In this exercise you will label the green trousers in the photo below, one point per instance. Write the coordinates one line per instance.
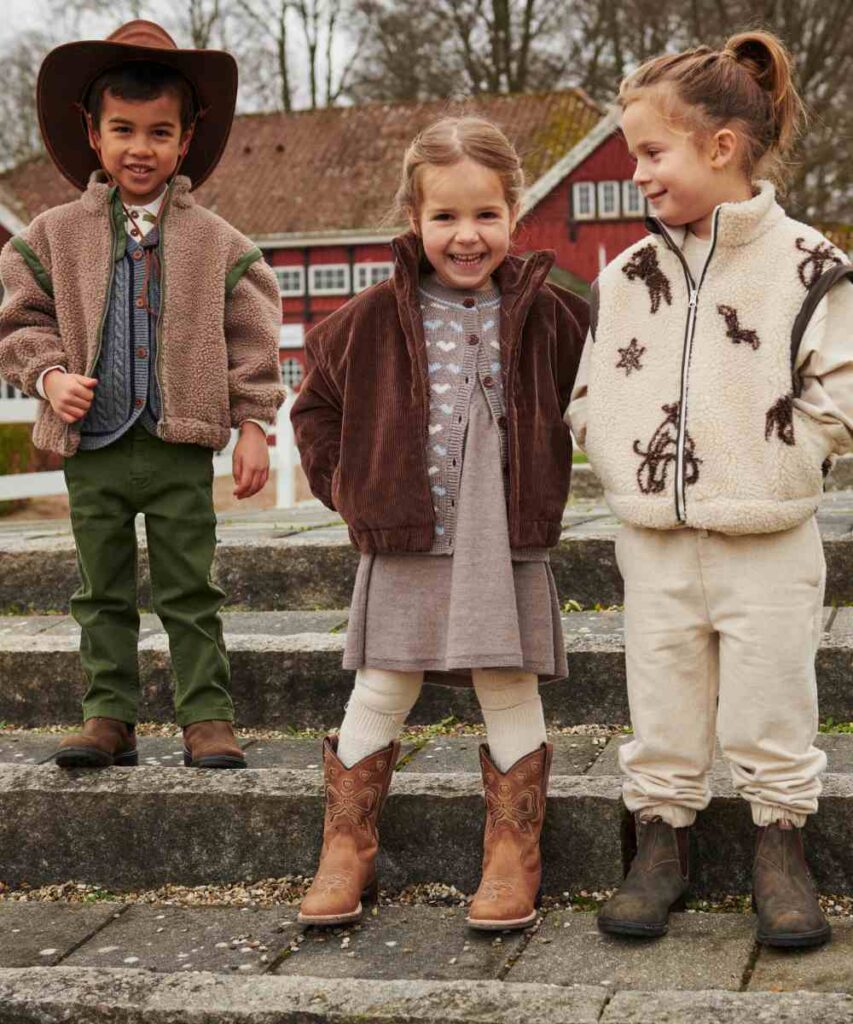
(171, 485)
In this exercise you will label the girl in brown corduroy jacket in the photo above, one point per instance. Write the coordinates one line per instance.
(431, 419)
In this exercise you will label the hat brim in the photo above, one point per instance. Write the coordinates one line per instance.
(68, 71)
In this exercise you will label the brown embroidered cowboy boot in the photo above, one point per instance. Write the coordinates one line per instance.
(102, 742)
(212, 744)
(656, 884)
(783, 894)
(346, 874)
(512, 866)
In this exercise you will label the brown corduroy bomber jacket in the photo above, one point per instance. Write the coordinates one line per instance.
(362, 414)
(218, 326)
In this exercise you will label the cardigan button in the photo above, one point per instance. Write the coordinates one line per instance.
(138, 254)
(488, 382)
(138, 403)
(142, 353)
(473, 339)
(469, 303)
(140, 302)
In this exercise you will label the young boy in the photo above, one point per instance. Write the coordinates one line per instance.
(150, 327)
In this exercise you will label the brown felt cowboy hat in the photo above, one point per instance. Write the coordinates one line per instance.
(68, 72)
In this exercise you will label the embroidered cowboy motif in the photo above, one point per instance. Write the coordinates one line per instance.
(780, 417)
(813, 265)
(662, 452)
(630, 357)
(332, 882)
(495, 889)
(644, 265)
(739, 335)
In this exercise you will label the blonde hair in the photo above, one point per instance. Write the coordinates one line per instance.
(748, 83)
(446, 142)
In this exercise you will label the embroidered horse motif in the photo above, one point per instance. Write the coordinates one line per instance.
(816, 259)
(738, 334)
(780, 418)
(644, 265)
(662, 452)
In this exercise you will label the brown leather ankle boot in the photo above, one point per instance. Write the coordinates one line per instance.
(212, 744)
(783, 894)
(346, 873)
(102, 742)
(512, 866)
(656, 883)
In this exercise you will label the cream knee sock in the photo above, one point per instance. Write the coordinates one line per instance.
(378, 708)
(512, 711)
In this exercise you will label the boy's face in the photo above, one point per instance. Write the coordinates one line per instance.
(140, 143)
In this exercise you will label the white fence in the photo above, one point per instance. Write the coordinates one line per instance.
(16, 408)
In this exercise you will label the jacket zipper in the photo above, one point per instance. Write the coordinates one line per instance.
(686, 353)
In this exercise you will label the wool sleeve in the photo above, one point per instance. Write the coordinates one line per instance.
(576, 414)
(30, 342)
(825, 365)
(317, 418)
(252, 326)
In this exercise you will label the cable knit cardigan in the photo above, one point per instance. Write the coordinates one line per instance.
(219, 321)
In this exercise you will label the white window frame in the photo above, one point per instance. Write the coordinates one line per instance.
(603, 212)
(588, 188)
(629, 189)
(363, 273)
(298, 289)
(318, 268)
(289, 363)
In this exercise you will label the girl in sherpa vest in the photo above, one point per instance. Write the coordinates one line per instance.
(711, 431)
(431, 419)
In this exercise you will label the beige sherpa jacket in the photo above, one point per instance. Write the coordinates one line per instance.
(218, 329)
(689, 404)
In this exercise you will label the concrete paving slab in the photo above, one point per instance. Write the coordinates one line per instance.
(573, 755)
(296, 752)
(430, 943)
(701, 951)
(112, 996)
(827, 969)
(26, 747)
(41, 934)
(171, 939)
(728, 1008)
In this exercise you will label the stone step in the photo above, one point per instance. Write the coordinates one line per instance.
(286, 671)
(711, 956)
(126, 828)
(301, 559)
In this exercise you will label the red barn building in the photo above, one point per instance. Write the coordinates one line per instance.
(313, 190)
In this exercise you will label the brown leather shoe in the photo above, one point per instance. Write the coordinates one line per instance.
(102, 742)
(512, 866)
(657, 883)
(346, 874)
(783, 894)
(212, 745)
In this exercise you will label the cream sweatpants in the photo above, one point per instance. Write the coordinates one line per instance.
(721, 634)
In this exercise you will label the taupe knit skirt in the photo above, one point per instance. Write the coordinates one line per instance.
(481, 607)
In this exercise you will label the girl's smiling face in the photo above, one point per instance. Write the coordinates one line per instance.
(464, 222)
(683, 175)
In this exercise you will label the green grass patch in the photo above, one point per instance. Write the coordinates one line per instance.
(831, 726)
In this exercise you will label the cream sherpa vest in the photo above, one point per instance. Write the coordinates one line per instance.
(691, 413)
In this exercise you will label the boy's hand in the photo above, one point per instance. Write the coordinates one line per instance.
(69, 394)
(251, 461)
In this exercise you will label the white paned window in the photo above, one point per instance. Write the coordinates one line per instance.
(329, 279)
(633, 204)
(583, 200)
(608, 199)
(367, 274)
(291, 373)
(291, 280)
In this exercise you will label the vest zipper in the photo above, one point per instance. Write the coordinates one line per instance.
(687, 351)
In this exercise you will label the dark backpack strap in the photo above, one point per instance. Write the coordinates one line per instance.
(593, 308)
(814, 295)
